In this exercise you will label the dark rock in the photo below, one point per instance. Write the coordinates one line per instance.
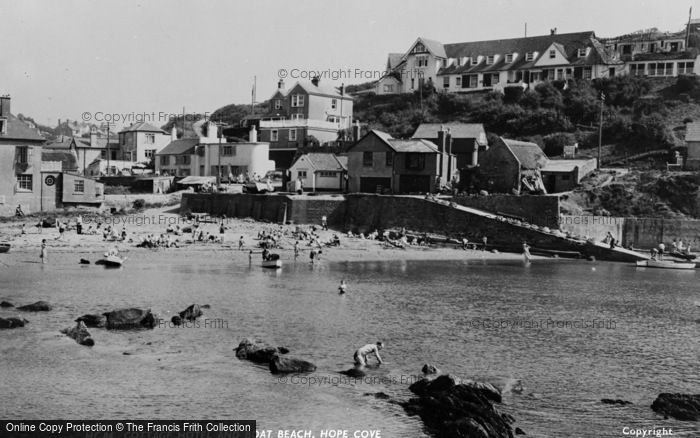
(257, 351)
(84, 261)
(488, 390)
(39, 306)
(354, 372)
(80, 334)
(93, 320)
(379, 395)
(191, 313)
(10, 323)
(519, 431)
(126, 353)
(284, 364)
(6, 304)
(205, 306)
(684, 407)
(176, 320)
(609, 401)
(430, 369)
(124, 319)
(456, 409)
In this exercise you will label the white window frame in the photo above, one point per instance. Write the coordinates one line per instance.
(552, 54)
(458, 81)
(490, 59)
(446, 82)
(274, 135)
(22, 179)
(278, 104)
(297, 100)
(292, 135)
(334, 103)
(3, 125)
(297, 116)
(509, 58)
(150, 138)
(78, 186)
(581, 53)
(301, 174)
(529, 56)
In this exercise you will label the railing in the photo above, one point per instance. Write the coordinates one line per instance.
(300, 123)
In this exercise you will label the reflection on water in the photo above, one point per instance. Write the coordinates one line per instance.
(483, 320)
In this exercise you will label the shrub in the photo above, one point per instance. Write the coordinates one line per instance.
(139, 204)
(686, 84)
(554, 143)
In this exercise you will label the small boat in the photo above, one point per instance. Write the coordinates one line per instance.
(664, 264)
(5, 247)
(111, 261)
(272, 261)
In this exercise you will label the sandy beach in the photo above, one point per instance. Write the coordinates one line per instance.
(155, 221)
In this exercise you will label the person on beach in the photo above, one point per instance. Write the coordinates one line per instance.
(324, 222)
(343, 287)
(222, 229)
(465, 243)
(362, 353)
(526, 252)
(23, 231)
(312, 255)
(61, 229)
(296, 249)
(18, 211)
(485, 240)
(662, 247)
(610, 239)
(240, 243)
(44, 252)
(265, 254)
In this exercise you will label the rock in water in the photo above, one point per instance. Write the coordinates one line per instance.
(356, 372)
(10, 323)
(39, 306)
(610, 401)
(93, 320)
(124, 319)
(191, 313)
(84, 261)
(80, 334)
(258, 352)
(6, 304)
(459, 410)
(284, 364)
(430, 369)
(684, 407)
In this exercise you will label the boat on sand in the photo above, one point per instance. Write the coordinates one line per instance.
(111, 261)
(664, 264)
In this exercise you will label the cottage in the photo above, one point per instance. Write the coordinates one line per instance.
(320, 171)
(378, 163)
(463, 140)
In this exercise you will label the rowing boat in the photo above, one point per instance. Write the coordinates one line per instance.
(664, 264)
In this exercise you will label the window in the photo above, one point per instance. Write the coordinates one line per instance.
(422, 61)
(328, 174)
(301, 174)
(293, 135)
(150, 138)
(98, 191)
(149, 153)
(3, 125)
(182, 159)
(458, 62)
(103, 154)
(297, 116)
(458, 81)
(637, 69)
(367, 159)
(388, 88)
(415, 161)
(413, 83)
(446, 82)
(297, 100)
(389, 159)
(552, 54)
(581, 53)
(25, 183)
(278, 104)
(587, 72)
(470, 81)
(333, 119)
(22, 154)
(228, 151)
(490, 59)
(418, 48)
(509, 58)
(274, 135)
(79, 186)
(495, 77)
(686, 68)
(473, 60)
(334, 103)
(164, 160)
(529, 56)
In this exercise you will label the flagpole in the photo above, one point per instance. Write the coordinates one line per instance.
(687, 27)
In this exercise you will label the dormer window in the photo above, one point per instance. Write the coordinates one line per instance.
(581, 53)
(419, 48)
(552, 54)
(458, 62)
(509, 58)
(529, 56)
(490, 59)
(3, 126)
(473, 60)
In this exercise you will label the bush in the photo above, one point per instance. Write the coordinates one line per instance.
(512, 94)
(554, 143)
(687, 84)
(139, 204)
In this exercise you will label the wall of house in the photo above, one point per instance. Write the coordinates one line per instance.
(538, 210)
(51, 191)
(320, 107)
(390, 81)
(93, 192)
(10, 195)
(412, 73)
(431, 169)
(557, 182)
(693, 150)
(87, 156)
(334, 183)
(379, 169)
(252, 156)
(500, 169)
(136, 145)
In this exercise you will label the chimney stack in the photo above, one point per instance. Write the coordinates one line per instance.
(356, 131)
(93, 136)
(173, 133)
(253, 136)
(280, 85)
(5, 106)
(553, 31)
(441, 138)
(316, 80)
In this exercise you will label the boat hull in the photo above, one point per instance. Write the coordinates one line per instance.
(111, 262)
(664, 264)
(272, 263)
(4, 247)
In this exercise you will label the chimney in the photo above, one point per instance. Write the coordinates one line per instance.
(316, 80)
(173, 133)
(342, 89)
(5, 106)
(93, 136)
(356, 131)
(553, 31)
(280, 85)
(253, 136)
(441, 138)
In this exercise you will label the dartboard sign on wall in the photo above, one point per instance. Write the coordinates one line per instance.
(50, 180)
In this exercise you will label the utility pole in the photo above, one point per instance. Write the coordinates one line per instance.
(109, 151)
(600, 128)
(220, 127)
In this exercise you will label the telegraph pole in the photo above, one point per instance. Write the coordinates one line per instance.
(109, 151)
(600, 129)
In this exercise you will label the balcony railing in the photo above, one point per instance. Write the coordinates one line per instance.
(301, 123)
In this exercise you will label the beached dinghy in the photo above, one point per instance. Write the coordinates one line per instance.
(111, 261)
(272, 261)
(664, 264)
(5, 247)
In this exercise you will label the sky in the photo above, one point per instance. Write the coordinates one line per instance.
(119, 60)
